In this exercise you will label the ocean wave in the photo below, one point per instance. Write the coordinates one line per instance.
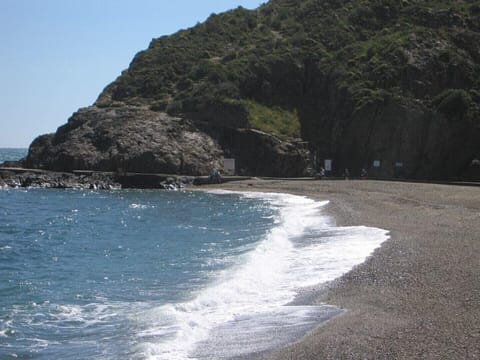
(141, 206)
(303, 249)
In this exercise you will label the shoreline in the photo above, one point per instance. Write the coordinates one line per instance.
(13, 175)
(418, 295)
(306, 295)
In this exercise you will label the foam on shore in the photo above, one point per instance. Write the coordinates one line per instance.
(246, 310)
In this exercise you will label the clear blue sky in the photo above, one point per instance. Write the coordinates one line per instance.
(57, 55)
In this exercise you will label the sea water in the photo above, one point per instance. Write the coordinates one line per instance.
(12, 154)
(137, 274)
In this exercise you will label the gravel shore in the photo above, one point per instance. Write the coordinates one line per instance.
(416, 297)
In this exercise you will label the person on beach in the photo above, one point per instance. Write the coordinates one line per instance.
(215, 176)
(321, 174)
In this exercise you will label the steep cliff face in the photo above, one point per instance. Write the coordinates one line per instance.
(387, 80)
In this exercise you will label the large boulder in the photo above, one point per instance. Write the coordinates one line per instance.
(126, 138)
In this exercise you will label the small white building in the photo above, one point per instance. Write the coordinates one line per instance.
(229, 166)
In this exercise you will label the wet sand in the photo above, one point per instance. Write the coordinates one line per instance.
(418, 295)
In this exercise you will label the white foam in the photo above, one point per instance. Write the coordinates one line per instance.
(302, 249)
(140, 206)
(69, 316)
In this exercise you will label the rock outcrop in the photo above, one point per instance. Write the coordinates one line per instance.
(126, 139)
(20, 178)
(130, 138)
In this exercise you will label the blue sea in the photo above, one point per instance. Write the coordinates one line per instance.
(12, 154)
(147, 274)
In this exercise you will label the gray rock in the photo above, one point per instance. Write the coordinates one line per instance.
(138, 140)
(126, 139)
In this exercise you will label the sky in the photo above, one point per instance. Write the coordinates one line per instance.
(56, 56)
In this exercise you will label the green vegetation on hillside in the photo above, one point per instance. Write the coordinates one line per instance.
(312, 67)
(273, 120)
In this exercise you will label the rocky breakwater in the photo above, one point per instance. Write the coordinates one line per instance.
(23, 178)
(14, 178)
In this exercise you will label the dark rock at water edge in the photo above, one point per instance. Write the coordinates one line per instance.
(153, 181)
(88, 180)
(54, 180)
(13, 164)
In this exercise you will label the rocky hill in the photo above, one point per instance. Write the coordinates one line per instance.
(287, 85)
